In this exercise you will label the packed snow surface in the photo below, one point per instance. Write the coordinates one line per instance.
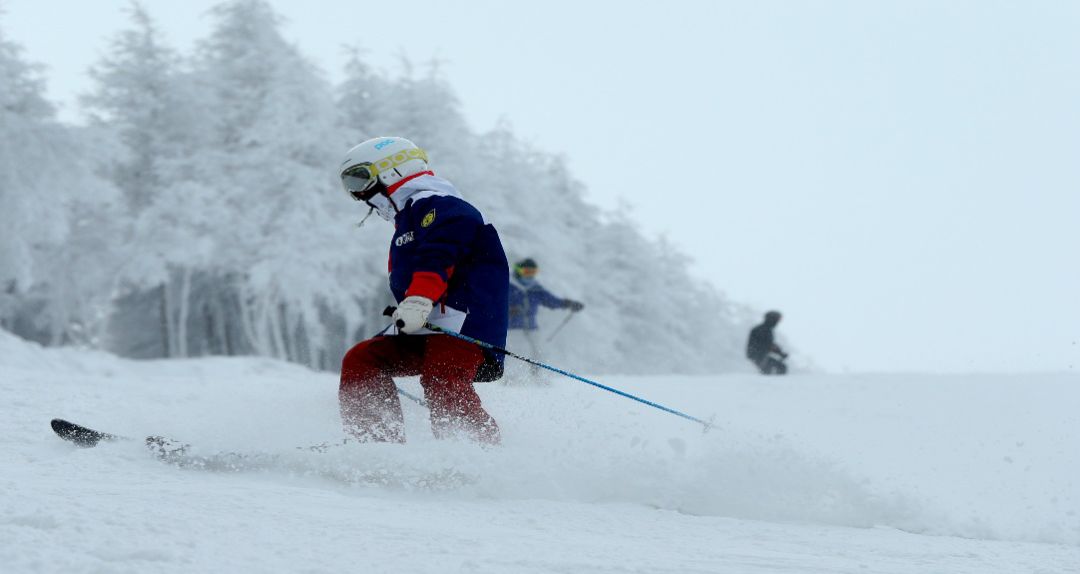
(811, 473)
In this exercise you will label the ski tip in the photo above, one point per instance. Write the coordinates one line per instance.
(58, 425)
(78, 434)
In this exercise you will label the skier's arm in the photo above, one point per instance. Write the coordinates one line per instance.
(549, 300)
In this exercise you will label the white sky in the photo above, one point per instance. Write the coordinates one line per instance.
(901, 179)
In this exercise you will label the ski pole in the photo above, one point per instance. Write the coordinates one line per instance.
(411, 396)
(490, 347)
(561, 325)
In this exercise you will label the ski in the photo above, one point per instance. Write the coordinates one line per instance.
(163, 448)
(84, 437)
(182, 455)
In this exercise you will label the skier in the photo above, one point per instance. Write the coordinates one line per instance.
(447, 267)
(762, 349)
(526, 298)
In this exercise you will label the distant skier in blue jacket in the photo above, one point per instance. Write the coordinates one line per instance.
(526, 298)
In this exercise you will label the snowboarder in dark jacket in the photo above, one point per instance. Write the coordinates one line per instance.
(447, 268)
(762, 349)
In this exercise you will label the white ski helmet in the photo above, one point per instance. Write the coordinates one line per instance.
(385, 160)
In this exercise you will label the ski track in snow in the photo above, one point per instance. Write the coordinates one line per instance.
(814, 473)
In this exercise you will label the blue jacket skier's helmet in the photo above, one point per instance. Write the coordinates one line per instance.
(526, 268)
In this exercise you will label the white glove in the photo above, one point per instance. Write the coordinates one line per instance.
(412, 313)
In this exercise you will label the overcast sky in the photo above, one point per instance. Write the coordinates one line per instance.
(901, 179)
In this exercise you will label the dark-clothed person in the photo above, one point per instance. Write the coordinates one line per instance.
(762, 349)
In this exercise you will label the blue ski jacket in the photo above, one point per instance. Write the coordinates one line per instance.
(444, 250)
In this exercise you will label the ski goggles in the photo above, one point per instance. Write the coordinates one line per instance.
(526, 271)
(359, 180)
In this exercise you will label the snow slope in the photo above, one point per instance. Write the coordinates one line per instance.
(822, 473)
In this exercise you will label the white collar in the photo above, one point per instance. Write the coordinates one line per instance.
(415, 189)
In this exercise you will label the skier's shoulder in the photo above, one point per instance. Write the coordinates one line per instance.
(432, 207)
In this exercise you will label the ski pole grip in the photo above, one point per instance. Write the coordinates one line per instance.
(389, 312)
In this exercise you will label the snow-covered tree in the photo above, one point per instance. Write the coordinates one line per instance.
(255, 261)
(53, 208)
(143, 105)
(272, 153)
(426, 107)
(32, 150)
(362, 99)
(141, 98)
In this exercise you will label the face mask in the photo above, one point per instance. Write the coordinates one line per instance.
(383, 206)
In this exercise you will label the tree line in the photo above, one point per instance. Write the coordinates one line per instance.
(198, 212)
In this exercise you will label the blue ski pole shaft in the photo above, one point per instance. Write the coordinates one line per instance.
(411, 396)
(491, 347)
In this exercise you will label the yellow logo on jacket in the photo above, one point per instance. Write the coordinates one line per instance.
(426, 221)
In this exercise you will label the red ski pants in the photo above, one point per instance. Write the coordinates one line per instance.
(371, 409)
